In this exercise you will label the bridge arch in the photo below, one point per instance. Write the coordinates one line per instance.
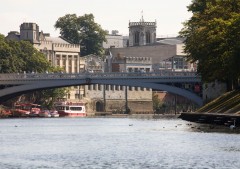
(147, 80)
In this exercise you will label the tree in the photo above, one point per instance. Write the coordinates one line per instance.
(84, 31)
(212, 38)
(19, 56)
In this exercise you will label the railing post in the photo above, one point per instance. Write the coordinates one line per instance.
(126, 100)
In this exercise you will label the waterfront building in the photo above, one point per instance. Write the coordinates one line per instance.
(57, 50)
(116, 98)
(163, 54)
(140, 52)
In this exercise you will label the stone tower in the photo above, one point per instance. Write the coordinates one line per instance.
(29, 31)
(142, 33)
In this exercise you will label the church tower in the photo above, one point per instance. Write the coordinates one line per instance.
(142, 33)
(29, 31)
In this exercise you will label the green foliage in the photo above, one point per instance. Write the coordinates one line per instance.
(84, 31)
(156, 102)
(19, 56)
(46, 98)
(213, 37)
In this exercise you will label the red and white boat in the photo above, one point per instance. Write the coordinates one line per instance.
(26, 109)
(70, 109)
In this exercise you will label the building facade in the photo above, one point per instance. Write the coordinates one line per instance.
(58, 52)
(142, 33)
(113, 41)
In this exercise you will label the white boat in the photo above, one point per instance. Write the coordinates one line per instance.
(35, 110)
(54, 113)
(44, 113)
(70, 109)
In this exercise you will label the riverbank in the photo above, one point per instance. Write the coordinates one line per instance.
(212, 118)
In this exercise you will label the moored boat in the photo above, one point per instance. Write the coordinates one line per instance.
(25, 110)
(35, 109)
(44, 113)
(54, 113)
(70, 109)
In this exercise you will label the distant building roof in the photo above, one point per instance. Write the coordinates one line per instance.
(170, 41)
(56, 40)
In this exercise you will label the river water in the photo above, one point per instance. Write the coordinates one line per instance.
(116, 143)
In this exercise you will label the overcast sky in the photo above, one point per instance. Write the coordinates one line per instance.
(110, 14)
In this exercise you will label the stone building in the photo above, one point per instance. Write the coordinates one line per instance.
(142, 33)
(165, 54)
(58, 51)
(116, 98)
(113, 40)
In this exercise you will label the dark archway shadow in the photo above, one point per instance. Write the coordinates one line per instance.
(99, 106)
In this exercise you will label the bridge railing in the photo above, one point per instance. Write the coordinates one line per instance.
(22, 76)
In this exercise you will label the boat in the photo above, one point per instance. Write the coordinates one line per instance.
(35, 109)
(54, 113)
(44, 113)
(25, 110)
(70, 109)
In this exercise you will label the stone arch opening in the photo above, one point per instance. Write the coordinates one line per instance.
(99, 106)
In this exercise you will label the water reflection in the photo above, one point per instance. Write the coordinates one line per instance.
(98, 143)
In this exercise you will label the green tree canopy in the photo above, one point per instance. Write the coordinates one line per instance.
(84, 31)
(20, 56)
(213, 38)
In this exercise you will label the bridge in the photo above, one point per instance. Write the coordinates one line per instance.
(173, 82)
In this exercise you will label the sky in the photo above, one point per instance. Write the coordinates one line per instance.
(110, 14)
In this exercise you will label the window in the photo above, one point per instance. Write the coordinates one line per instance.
(112, 87)
(94, 87)
(107, 87)
(99, 87)
(76, 108)
(77, 96)
(148, 39)
(121, 87)
(136, 38)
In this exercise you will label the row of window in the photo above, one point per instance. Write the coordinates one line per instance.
(69, 108)
(115, 87)
(137, 37)
(69, 57)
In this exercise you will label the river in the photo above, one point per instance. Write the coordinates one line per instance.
(116, 143)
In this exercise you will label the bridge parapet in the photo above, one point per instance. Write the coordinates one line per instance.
(162, 74)
(174, 82)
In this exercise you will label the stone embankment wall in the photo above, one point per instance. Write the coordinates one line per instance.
(119, 107)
